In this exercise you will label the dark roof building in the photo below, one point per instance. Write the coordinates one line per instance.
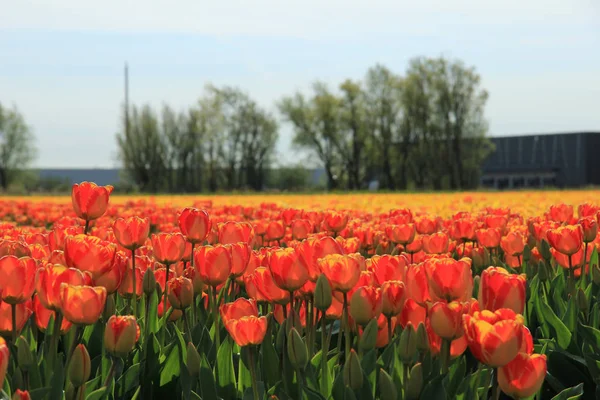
(560, 160)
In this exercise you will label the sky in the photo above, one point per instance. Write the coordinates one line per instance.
(61, 61)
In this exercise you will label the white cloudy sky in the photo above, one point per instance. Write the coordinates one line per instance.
(61, 61)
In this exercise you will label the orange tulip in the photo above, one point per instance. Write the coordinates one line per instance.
(464, 229)
(561, 213)
(446, 319)
(240, 257)
(417, 286)
(335, 221)
(436, 243)
(41, 317)
(289, 269)
(274, 231)
(90, 201)
(566, 239)
(412, 313)
(48, 280)
(489, 237)
(213, 264)
(402, 234)
(247, 330)
(387, 268)
(590, 228)
(341, 271)
(113, 278)
(500, 289)
(234, 232)
(17, 279)
(513, 243)
(82, 305)
(131, 232)
(175, 314)
(121, 334)
(426, 225)
(126, 284)
(523, 376)
(573, 261)
(314, 249)
(89, 253)
(262, 288)
(366, 303)
(21, 395)
(194, 224)
(168, 248)
(4, 358)
(449, 279)
(495, 338)
(238, 309)
(301, 228)
(14, 248)
(192, 274)
(496, 221)
(457, 346)
(181, 292)
(22, 312)
(393, 294)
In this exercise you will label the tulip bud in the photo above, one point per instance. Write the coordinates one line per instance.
(293, 321)
(545, 250)
(596, 274)
(120, 335)
(109, 308)
(415, 383)
(526, 253)
(21, 395)
(387, 389)
(582, 301)
(193, 360)
(366, 304)
(542, 271)
(422, 338)
(368, 340)
(296, 349)
(476, 282)
(80, 366)
(280, 339)
(24, 356)
(149, 282)
(408, 344)
(323, 293)
(353, 374)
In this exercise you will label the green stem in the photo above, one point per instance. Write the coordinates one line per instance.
(111, 372)
(215, 311)
(495, 388)
(87, 227)
(445, 355)
(188, 332)
(571, 279)
(54, 339)
(166, 293)
(324, 351)
(134, 284)
(346, 326)
(253, 372)
(405, 378)
(389, 329)
(583, 274)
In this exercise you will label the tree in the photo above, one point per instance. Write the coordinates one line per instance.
(352, 140)
(316, 127)
(17, 145)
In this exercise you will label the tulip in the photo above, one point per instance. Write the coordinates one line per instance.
(213, 264)
(335, 221)
(402, 234)
(22, 312)
(192, 274)
(194, 224)
(274, 231)
(82, 305)
(128, 284)
(446, 319)
(17, 279)
(566, 239)
(464, 229)
(366, 303)
(496, 221)
(4, 358)
(234, 232)
(426, 225)
(240, 257)
(523, 376)
(436, 243)
(342, 272)
(387, 268)
(131, 232)
(393, 296)
(590, 228)
(500, 289)
(301, 228)
(239, 308)
(181, 292)
(168, 248)
(21, 395)
(449, 279)
(247, 330)
(513, 243)
(262, 288)
(561, 212)
(417, 285)
(14, 248)
(89, 253)
(495, 338)
(80, 366)
(41, 317)
(488, 238)
(289, 269)
(113, 278)
(121, 335)
(90, 201)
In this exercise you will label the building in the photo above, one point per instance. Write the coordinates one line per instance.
(547, 160)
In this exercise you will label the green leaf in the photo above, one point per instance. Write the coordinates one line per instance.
(224, 370)
(591, 336)
(563, 335)
(570, 316)
(434, 390)
(152, 322)
(92, 384)
(96, 395)
(194, 396)
(172, 366)
(129, 379)
(310, 394)
(244, 376)
(58, 379)
(339, 389)
(40, 393)
(207, 379)
(571, 393)
(456, 376)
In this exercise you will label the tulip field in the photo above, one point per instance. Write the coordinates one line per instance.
(340, 296)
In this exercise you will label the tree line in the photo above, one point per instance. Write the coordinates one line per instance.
(421, 129)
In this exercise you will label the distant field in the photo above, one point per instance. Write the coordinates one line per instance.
(526, 203)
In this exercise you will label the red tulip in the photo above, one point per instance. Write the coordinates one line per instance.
(234, 232)
(4, 358)
(238, 309)
(590, 228)
(262, 288)
(393, 294)
(82, 305)
(23, 312)
(17, 279)
(561, 213)
(275, 231)
(566, 239)
(436, 243)
(90, 201)
(500, 289)
(387, 268)
(121, 334)
(489, 237)
(446, 319)
(14, 248)
(41, 317)
(335, 221)
(412, 313)
(513, 243)
(168, 248)
(89, 253)
(181, 292)
(240, 257)
(132, 232)
(289, 269)
(449, 279)
(341, 271)
(213, 264)
(301, 228)
(402, 234)
(523, 376)
(48, 280)
(426, 225)
(194, 224)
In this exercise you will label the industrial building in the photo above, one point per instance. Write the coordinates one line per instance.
(562, 160)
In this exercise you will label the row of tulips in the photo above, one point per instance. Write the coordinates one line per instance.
(287, 303)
